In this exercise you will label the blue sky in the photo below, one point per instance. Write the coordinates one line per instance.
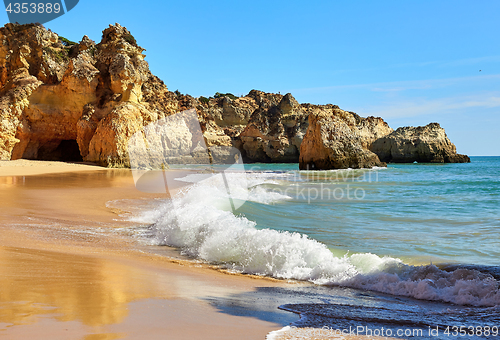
(410, 62)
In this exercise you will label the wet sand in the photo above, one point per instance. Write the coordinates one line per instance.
(291, 333)
(66, 273)
(70, 270)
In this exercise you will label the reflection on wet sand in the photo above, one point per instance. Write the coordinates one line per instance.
(103, 297)
(68, 196)
(74, 196)
(87, 289)
(59, 295)
(35, 283)
(65, 274)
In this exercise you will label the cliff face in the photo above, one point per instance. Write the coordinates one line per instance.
(423, 144)
(75, 101)
(337, 139)
(17, 83)
(84, 101)
(275, 130)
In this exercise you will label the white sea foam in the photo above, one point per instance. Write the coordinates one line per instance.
(278, 333)
(199, 222)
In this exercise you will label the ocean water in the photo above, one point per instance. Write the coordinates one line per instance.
(422, 234)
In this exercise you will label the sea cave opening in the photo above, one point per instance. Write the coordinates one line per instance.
(66, 151)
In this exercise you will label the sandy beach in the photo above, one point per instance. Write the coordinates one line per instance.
(212, 185)
(68, 270)
(62, 279)
(23, 167)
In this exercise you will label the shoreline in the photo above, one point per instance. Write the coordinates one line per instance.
(69, 268)
(67, 273)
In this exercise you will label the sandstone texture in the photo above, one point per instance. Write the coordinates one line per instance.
(66, 101)
(99, 102)
(275, 130)
(337, 139)
(262, 127)
(423, 144)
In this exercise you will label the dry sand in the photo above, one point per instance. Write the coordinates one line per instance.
(23, 167)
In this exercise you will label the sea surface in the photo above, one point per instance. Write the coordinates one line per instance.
(407, 247)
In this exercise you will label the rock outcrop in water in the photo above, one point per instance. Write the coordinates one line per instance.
(337, 139)
(84, 101)
(423, 144)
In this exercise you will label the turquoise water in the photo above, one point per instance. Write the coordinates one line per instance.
(410, 246)
(428, 231)
(417, 212)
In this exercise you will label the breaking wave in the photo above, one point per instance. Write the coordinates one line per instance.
(199, 221)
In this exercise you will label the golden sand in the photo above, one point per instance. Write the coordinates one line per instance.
(64, 273)
(23, 167)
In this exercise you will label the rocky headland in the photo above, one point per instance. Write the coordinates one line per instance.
(423, 144)
(61, 100)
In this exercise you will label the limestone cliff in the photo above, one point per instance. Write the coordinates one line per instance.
(61, 100)
(275, 130)
(337, 139)
(423, 144)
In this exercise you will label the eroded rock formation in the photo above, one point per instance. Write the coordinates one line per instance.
(69, 101)
(423, 144)
(337, 139)
(275, 130)
(84, 101)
